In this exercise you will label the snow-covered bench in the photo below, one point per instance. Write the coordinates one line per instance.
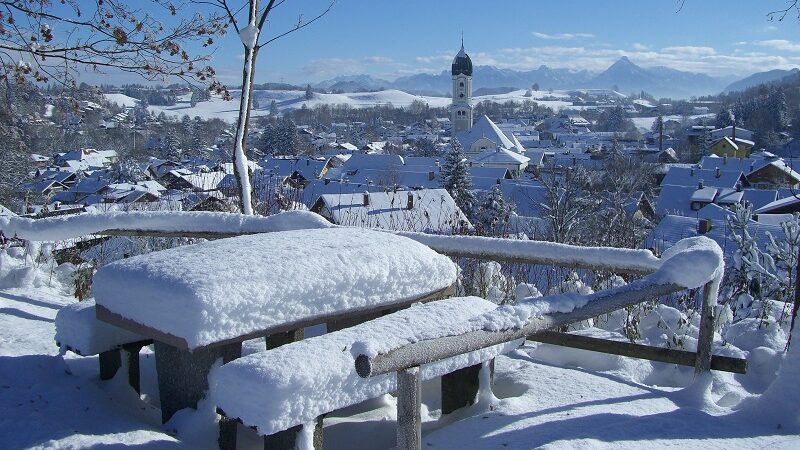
(79, 331)
(298, 383)
(200, 302)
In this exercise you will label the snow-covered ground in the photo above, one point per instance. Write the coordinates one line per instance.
(547, 396)
(285, 100)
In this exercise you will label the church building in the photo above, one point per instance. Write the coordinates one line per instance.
(461, 108)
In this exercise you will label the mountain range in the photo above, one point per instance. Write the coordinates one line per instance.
(623, 75)
(755, 79)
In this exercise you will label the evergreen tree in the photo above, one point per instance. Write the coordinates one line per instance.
(492, 215)
(187, 130)
(778, 109)
(725, 118)
(198, 142)
(455, 178)
(172, 147)
(273, 108)
(127, 170)
(309, 92)
(658, 124)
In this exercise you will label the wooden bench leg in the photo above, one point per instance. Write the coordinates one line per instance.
(110, 362)
(409, 401)
(131, 353)
(278, 339)
(227, 433)
(287, 439)
(460, 388)
(183, 375)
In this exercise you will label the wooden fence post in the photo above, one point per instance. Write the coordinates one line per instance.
(705, 338)
(409, 421)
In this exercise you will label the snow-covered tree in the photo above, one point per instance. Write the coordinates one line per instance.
(250, 33)
(725, 118)
(455, 178)
(491, 217)
(309, 93)
(128, 170)
(172, 149)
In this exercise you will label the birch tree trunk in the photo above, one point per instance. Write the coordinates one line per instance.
(241, 170)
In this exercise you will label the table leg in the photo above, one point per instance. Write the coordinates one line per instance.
(183, 375)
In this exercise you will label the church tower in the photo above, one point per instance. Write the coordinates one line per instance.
(461, 108)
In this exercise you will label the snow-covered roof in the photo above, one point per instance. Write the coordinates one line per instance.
(728, 196)
(485, 128)
(759, 197)
(706, 195)
(499, 156)
(778, 205)
(682, 176)
(672, 229)
(675, 200)
(433, 210)
(6, 212)
(360, 161)
(232, 287)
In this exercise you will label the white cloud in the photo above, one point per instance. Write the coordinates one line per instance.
(780, 44)
(639, 46)
(377, 60)
(690, 50)
(561, 36)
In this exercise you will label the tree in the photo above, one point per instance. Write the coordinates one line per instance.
(491, 218)
(455, 178)
(725, 118)
(128, 170)
(43, 40)
(250, 35)
(172, 147)
(566, 207)
(273, 108)
(309, 92)
(535, 86)
(614, 120)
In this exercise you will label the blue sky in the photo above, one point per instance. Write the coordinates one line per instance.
(388, 39)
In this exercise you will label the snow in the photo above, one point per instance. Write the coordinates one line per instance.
(121, 100)
(519, 314)
(195, 292)
(560, 254)
(249, 36)
(295, 383)
(691, 263)
(647, 122)
(548, 396)
(287, 100)
(79, 331)
(73, 226)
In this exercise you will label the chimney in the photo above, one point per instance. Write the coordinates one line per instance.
(410, 203)
(733, 133)
(704, 226)
(700, 185)
(431, 175)
(738, 186)
(366, 198)
(717, 172)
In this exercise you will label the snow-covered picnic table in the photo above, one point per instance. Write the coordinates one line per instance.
(199, 302)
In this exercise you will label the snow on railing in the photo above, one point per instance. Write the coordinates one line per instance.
(540, 252)
(157, 223)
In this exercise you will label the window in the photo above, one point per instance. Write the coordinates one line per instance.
(461, 84)
(461, 95)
